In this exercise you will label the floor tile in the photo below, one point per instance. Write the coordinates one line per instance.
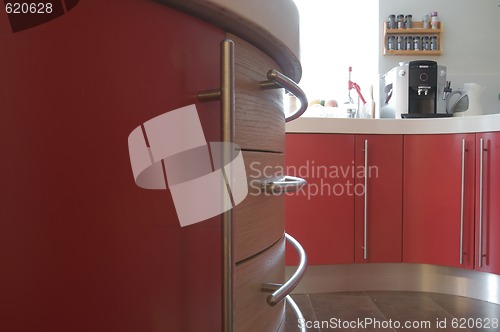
(383, 310)
(413, 311)
(471, 313)
(352, 311)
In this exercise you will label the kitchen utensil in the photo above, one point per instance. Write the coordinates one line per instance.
(460, 104)
(474, 92)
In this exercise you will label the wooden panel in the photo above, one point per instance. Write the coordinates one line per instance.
(260, 218)
(252, 313)
(260, 121)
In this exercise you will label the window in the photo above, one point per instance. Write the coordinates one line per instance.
(334, 36)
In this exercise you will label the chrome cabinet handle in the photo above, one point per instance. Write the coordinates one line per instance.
(462, 197)
(280, 293)
(365, 213)
(227, 127)
(481, 163)
(279, 80)
(298, 313)
(226, 95)
(285, 185)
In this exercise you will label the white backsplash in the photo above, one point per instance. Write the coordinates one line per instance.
(489, 99)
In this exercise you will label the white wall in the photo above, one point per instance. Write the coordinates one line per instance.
(332, 40)
(471, 41)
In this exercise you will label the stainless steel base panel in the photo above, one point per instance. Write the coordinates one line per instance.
(399, 277)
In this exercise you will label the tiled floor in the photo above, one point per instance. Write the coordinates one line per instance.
(390, 311)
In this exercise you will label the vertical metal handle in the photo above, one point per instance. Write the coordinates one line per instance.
(481, 162)
(462, 203)
(226, 96)
(365, 213)
(227, 127)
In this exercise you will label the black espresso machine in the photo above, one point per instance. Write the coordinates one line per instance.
(415, 89)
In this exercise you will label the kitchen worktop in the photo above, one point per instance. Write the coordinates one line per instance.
(467, 124)
(272, 26)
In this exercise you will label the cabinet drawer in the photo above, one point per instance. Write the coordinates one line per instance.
(260, 218)
(259, 118)
(252, 313)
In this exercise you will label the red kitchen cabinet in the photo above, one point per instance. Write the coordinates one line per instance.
(378, 200)
(487, 255)
(438, 199)
(82, 247)
(321, 216)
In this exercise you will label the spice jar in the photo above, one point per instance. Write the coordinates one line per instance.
(417, 43)
(391, 24)
(409, 43)
(408, 21)
(426, 21)
(434, 20)
(434, 43)
(391, 43)
(400, 45)
(425, 43)
(401, 21)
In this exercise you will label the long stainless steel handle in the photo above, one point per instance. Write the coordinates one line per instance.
(298, 313)
(481, 162)
(285, 185)
(227, 125)
(462, 203)
(279, 80)
(226, 95)
(365, 213)
(280, 293)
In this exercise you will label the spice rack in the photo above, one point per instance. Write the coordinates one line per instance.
(416, 30)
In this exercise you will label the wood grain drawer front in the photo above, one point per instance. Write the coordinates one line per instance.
(259, 119)
(252, 313)
(259, 221)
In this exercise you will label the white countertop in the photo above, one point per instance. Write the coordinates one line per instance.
(466, 124)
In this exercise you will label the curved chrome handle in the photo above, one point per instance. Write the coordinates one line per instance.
(287, 184)
(462, 197)
(365, 213)
(298, 313)
(279, 80)
(280, 293)
(480, 244)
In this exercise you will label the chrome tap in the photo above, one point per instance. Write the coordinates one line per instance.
(447, 89)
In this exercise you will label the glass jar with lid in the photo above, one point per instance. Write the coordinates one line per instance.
(408, 21)
(434, 43)
(391, 43)
(401, 21)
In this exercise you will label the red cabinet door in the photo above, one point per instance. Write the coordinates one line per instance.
(379, 184)
(487, 202)
(82, 247)
(321, 216)
(438, 199)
